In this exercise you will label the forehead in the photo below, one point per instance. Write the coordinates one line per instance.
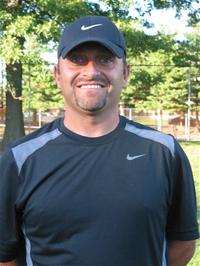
(91, 47)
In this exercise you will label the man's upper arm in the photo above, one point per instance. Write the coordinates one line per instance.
(8, 219)
(180, 252)
(182, 214)
(11, 263)
(182, 225)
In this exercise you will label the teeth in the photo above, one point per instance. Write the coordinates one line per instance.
(92, 86)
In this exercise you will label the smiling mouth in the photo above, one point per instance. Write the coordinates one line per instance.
(91, 86)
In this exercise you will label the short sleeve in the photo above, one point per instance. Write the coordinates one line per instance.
(8, 215)
(182, 216)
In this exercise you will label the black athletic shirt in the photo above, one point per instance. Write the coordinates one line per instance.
(114, 200)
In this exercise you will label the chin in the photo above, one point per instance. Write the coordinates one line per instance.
(93, 108)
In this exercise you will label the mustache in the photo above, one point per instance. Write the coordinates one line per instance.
(99, 79)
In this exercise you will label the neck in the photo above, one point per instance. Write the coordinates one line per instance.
(91, 125)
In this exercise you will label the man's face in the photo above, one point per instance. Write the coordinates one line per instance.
(91, 78)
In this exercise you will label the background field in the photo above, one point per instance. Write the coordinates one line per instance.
(192, 150)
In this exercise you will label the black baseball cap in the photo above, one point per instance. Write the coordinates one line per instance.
(92, 29)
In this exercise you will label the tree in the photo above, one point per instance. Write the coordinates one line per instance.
(40, 90)
(166, 78)
(148, 67)
(14, 79)
(188, 55)
(149, 81)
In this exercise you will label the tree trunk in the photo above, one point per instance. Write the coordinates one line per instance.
(14, 116)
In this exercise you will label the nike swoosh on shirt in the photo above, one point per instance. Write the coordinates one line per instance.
(130, 158)
(83, 27)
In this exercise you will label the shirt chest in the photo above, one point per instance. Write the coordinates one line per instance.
(93, 184)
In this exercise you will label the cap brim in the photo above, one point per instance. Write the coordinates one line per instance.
(118, 51)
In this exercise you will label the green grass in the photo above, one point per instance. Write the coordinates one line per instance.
(192, 149)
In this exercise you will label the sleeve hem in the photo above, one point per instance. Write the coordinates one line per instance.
(6, 258)
(191, 235)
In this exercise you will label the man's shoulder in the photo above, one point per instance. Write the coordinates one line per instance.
(33, 142)
(150, 134)
(48, 129)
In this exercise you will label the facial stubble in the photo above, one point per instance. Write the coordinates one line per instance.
(90, 101)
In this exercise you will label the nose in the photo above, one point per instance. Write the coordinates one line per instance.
(90, 69)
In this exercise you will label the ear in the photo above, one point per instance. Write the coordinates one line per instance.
(57, 75)
(127, 69)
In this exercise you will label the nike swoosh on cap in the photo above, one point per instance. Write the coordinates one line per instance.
(83, 27)
(130, 158)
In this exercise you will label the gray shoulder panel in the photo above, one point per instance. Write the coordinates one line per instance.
(22, 151)
(156, 136)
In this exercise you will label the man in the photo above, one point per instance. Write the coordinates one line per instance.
(95, 189)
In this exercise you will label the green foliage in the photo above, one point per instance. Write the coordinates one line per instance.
(161, 75)
(40, 91)
(147, 80)
(41, 19)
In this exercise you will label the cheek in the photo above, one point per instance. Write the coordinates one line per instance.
(118, 80)
(66, 79)
(64, 87)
